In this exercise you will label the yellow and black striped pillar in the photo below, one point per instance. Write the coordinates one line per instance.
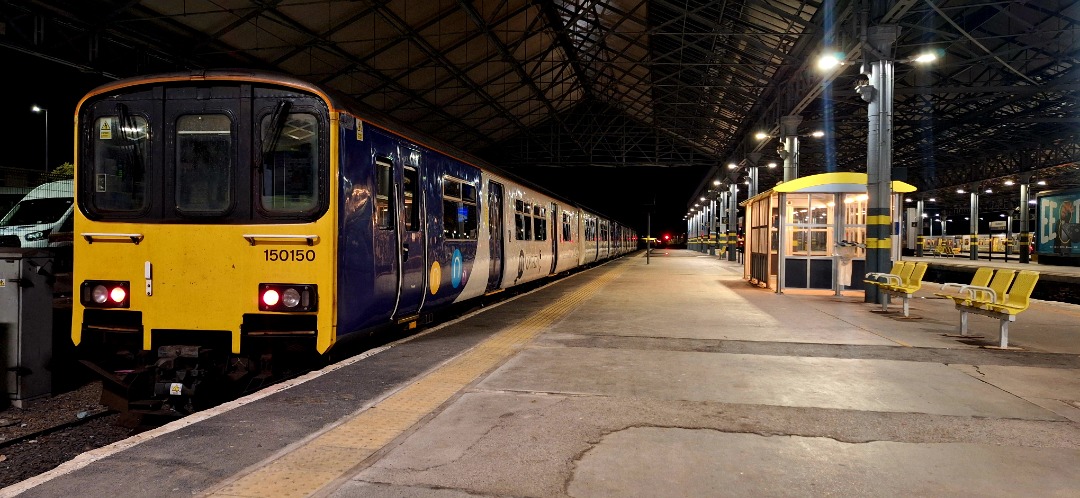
(878, 245)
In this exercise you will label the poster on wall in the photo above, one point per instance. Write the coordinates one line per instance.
(1058, 232)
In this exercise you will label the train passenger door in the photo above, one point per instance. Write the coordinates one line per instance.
(495, 234)
(412, 249)
(555, 232)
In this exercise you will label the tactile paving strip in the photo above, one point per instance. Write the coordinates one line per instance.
(329, 456)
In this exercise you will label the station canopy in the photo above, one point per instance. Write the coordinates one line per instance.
(682, 85)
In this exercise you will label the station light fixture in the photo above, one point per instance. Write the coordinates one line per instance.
(1041, 183)
(761, 135)
(1009, 183)
(732, 166)
(830, 60)
(923, 58)
(932, 199)
(771, 165)
(960, 191)
(989, 190)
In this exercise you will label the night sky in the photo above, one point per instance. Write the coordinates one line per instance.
(627, 194)
(51, 85)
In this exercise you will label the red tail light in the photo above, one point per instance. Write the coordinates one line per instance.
(105, 294)
(288, 297)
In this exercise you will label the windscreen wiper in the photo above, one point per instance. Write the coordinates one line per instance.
(129, 145)
(277, 126)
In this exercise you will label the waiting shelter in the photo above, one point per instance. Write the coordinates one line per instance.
(810, 233)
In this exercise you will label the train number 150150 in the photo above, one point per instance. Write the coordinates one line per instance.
(289, 255)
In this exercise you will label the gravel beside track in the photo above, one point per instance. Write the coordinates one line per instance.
(29, 446)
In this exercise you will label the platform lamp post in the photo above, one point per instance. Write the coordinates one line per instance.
(42, 110)
(875, 87)
(788, 147)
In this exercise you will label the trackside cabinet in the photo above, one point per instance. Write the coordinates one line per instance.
(25, 324)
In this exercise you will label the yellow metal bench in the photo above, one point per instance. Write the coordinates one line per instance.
(981, 278)
(905, 289)
(894, 274)
(1005, 310)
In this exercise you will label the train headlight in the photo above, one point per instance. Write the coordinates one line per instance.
(105, 294)
(288, 297)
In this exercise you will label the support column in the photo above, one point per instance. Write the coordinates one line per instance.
(973, 243)
(714, 237)
(919, 238)
(733, 222)
(879, 94)
(752, 158)
(789, 141)
(1025, 235)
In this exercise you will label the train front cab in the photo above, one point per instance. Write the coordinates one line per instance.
(184, 249)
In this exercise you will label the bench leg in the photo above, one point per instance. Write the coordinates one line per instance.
(963, 322)
(906, 306)
(1004, 337)
(884, 300)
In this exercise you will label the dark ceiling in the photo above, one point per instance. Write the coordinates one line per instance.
(671, 90)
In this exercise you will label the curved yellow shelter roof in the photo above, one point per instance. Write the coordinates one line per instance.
(836, 182)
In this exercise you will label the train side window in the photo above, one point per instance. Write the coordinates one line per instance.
(204, 163)
(383, 183)
(519, 220)
(460, 211)
(290, 163)
(121, 153)
(566, 227)
(527, 213)
(540, 223)
(411, 187)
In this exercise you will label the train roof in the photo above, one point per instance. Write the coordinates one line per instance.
(337, 101)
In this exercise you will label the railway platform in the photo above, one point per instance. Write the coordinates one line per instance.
(672, 378)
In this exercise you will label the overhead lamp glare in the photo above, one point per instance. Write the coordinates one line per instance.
(828, 61)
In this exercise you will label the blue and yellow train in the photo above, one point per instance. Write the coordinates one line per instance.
(226, 218)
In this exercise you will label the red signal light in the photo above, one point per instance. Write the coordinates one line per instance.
(667, 237)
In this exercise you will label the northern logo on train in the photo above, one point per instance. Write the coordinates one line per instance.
(457, 269)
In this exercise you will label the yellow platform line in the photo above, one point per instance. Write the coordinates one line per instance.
(330, 455)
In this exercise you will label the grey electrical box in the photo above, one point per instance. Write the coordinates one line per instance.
(26, 312)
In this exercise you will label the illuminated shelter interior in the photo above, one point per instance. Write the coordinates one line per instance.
(796, 230)
(643, 95)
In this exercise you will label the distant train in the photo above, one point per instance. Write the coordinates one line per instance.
(224, 218)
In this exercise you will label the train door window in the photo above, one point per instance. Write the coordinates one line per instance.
(121, 153)
(383, 183)
(460, 212)
(290, 162)
(411, 187)
(540, 223)
(204, 153)
(566, 227)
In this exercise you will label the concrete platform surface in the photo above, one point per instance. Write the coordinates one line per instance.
(673, 378)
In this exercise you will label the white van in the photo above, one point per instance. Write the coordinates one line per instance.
(42, 211)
